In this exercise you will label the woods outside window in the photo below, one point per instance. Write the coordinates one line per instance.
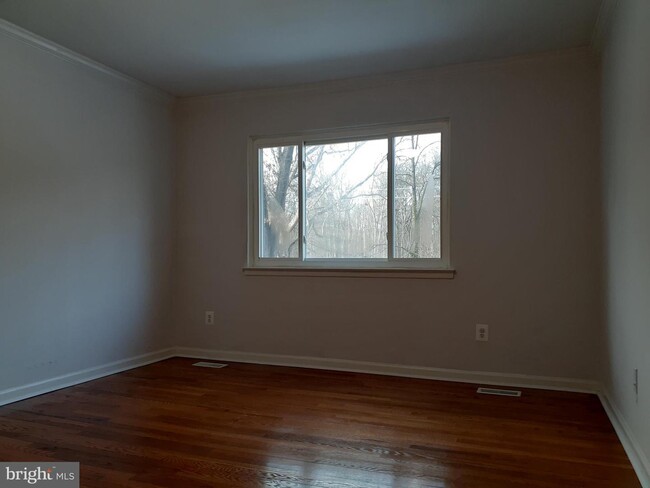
(364, 198)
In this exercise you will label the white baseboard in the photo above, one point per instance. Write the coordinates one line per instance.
(632, 448)
(479, 377)
(635, 453)
(46, 386)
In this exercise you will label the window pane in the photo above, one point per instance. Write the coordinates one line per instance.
(417, 196)
(279, 202)
(346, 192)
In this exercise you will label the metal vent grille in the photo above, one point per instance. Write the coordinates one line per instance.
(499, 392)
(205, 364)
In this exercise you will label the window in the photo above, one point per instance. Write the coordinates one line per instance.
(369, 199)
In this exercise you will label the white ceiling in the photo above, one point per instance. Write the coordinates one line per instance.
(196, 47)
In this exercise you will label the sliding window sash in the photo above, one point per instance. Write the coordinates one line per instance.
(389, 132)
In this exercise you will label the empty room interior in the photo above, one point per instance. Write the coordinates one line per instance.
(325, 243)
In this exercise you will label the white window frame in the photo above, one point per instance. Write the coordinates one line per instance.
(335, 265)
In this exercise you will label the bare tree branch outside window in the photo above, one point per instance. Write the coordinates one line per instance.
(346, 195)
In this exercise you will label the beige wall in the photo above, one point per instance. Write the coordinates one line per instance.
(525, 224)
(626, 142)
(85, 206)
(86, 220)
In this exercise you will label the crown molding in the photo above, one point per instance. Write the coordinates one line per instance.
(34, 40)
(372, 81)
(601, 27)
(603, 24)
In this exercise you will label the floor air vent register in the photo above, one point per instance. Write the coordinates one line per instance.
(205, 364)
(499, 392)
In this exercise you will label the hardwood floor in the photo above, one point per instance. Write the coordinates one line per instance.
(170, 424)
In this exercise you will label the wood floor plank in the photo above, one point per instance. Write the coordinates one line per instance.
(170, 424)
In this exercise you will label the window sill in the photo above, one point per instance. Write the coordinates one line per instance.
(403, 273)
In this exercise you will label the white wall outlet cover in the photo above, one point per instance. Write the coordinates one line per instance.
(209, 318)
(482, 332)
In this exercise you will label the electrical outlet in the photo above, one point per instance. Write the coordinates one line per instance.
(209, 318)
(482, 332)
